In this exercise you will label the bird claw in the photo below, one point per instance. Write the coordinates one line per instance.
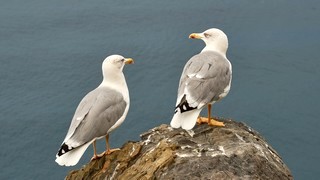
(212, 122)
(104, 153)
(95, 157)
(111, 151)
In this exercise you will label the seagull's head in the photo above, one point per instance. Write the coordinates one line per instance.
(215, 39)
(115, 62)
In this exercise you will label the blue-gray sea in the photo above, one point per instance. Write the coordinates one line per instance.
(51, 54)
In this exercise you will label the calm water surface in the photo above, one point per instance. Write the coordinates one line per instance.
(51, 55)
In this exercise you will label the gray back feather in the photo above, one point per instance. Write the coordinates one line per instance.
(99, 110)
(205, 76)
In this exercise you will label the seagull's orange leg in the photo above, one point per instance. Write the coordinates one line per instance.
(95, 156)
(108, 150)
(211, 122)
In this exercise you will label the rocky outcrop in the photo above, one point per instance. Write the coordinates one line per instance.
(235, 151)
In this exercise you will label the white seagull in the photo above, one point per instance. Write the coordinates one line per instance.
(99, 112)
(206, 78)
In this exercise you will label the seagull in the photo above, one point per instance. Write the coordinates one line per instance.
(206, 79)
(101, 111)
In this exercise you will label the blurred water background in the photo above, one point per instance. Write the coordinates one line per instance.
(51, 54)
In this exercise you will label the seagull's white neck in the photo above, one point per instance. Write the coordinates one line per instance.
(216, 47)
(115, 79)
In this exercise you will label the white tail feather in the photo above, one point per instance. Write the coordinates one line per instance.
(72, 157)
(186, 120)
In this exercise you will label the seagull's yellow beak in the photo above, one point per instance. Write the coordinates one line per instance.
(128, 61)
(195, 36)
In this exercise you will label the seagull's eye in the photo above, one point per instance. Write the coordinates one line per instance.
(206, 35)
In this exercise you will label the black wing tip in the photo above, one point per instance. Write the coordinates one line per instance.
(64, 149)
(184, 105)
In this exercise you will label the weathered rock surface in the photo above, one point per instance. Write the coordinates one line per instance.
(232, 152)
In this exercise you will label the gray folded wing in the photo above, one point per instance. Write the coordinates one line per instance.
(204, 78)
(98, 111)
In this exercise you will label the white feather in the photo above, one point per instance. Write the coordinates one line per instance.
(72, 157)
(186, 120)
(227, 89)
(191, 101)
